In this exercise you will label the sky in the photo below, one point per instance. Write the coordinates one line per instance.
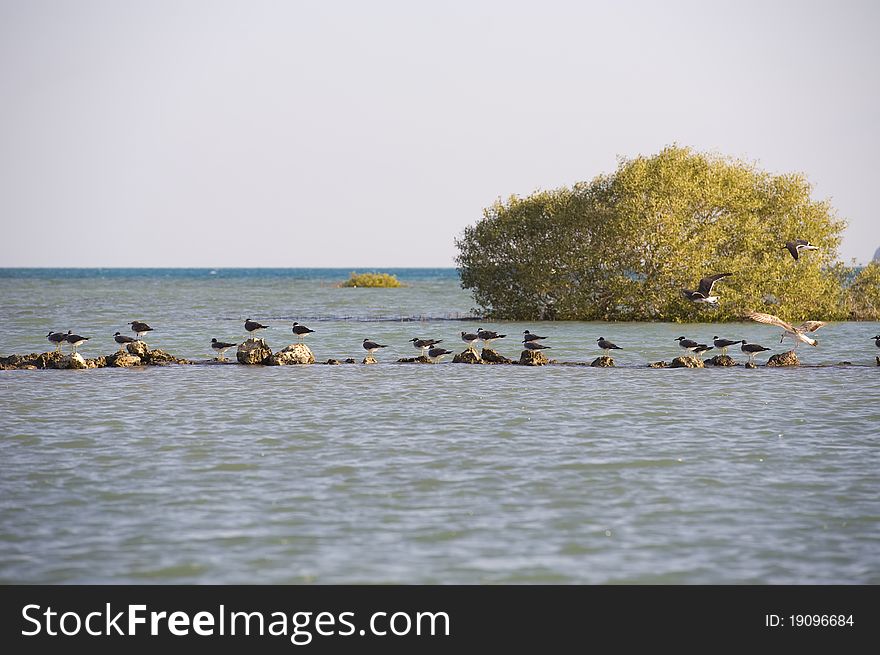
(369, 134)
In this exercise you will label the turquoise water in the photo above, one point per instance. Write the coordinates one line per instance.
(420, 474)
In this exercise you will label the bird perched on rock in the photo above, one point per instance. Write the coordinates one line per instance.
(797, 334)
(253, 326)
(57, 338)
(469, 338)
(703, 294)
(140, 328)
(300, 330)
(74, 339)
(372, 346)
(752, 349)
(534, 345)
(529, 336)
(488, 336)
(424, 344)
(702, 348)
(724, 344)
(687, 344)
(795, 247)
(606, 345)
(437, 353)
(122, 339)
(220, 347)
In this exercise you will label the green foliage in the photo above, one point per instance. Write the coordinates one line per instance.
(863, 295)
(371, 280)
(622, 246)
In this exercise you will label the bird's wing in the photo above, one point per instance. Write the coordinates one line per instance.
(709, 281)
(810, 326)
(770, 320)
(801, 242)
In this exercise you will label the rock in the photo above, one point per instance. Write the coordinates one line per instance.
(124, 360)
(295, 353)
(723, 360)
(750, 365)
(96, 362)
(532, 358)
(350, 360)
(603, 362)
(687, 362)
(138, 348)
(789, 358)
(421, 359)
(844, 363)
(332, 362)
(878, 361)
(467, 356)
(161, 358)
(490, 356)
(658, 365)
(74, 360)
(369, 359)
(253, 351)
(36, 360)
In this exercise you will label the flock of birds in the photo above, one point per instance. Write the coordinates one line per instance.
(431, 349)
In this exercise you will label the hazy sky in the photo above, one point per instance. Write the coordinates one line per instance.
(369, 134)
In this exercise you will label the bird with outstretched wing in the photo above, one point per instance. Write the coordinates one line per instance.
(798, 334)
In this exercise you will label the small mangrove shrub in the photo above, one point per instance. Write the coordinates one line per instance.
(375, 280)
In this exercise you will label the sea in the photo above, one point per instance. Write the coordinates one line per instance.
(421, 474)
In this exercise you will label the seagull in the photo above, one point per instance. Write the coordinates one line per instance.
(877, 340)
(701, 348)
(469, 338)
(424, 344)
(122, 339)
(253, 326)
(372, 346)
(534, 345)
(140, 328)
(75, 340)
(221, 348)
(528, 336)
(704, 292)
(687, 344)
(438, 353)
(300, 330)
(795, 247)
(488, 336)
(607, 345)
(57, 338)
(797, 334)
(752, 349)
(724, 344)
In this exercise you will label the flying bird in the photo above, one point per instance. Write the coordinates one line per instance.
(704, 293)
(797, 334)
(795, 247)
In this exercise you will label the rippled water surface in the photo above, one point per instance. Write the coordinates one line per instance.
(421, 474)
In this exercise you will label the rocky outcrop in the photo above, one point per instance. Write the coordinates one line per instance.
(332, 362)
(350, 360)
(253, 351)
(467, 356)
(35, 360)
(138, 348)
(369, 359)
(295, 353)
(750, 365)
(722, 360)
(421, 359)
(96, 362)
(532, 358)
(789, 358)
(490, 356)
(687, 362)
(73, 360)
(161, 358)
(658, 365)
(124, 360)
(602, 362)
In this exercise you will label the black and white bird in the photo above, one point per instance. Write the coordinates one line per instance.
(300, 330)
(372, 346)
(687, 344)
(470, 338)
(253, 326)
(75, 340)
(57, 338)
(798, 334)
(876, 340)
(220, 347)
(488, 336)
(795, 247)
(752, 349)
(123, 339)
(724, 344)
(529, 336)
(534, 345)
(703, 294)
(437, 353)
(606, 345)
(140, 328)
(424, 344)
(702, 348)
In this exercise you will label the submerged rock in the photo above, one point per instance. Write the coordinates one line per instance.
(687, 362)
(604, 361)
(467, 356)
(295, 353)
(532, 358)
(844, 363)
(369, 359)
(332, 362)
(723, 360)
(750, 365)
(253, 351)
(421, 359)
(789, 358)
(124, 360)
(350, 360)
(490, 356)
(658, 365)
